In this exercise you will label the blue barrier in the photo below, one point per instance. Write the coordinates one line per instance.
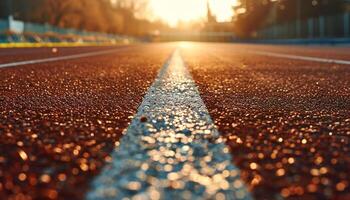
(4, 25)
(337, 26)
(29, 30)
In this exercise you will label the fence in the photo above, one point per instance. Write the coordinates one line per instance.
(20, 27)
(337, 26)
(195, 36)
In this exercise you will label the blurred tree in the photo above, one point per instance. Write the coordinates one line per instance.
(288, 9)
(112, 16)
(5, 8)
(252, 15)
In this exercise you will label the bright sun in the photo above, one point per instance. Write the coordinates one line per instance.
(173, 11)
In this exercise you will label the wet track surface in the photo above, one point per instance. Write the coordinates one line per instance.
(287, 122)
(59, 121)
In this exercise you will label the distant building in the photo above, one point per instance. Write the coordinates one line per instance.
(213, 26)
(210, 17)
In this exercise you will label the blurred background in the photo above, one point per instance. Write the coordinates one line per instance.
(171, 20)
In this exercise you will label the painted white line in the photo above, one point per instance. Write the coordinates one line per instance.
(60, 58)
(306, 58)
(172, 149)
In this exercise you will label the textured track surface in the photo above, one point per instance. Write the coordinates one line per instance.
(172, 149)
(59, 121)
(325, 52)
(20, 54)
(287, 122)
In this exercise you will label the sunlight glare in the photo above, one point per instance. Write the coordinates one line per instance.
(185, 44)
(174, 11)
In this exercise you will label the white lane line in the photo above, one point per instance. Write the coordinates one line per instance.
(306, 58)
(60, 58)
(172, 149)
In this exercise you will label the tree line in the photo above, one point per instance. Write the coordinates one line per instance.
(252, 15)
(128, 16)
(118, 16)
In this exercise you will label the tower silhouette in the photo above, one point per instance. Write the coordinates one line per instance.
(210, 17)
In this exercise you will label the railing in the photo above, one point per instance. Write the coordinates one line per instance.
(19, 27)
(337, 26)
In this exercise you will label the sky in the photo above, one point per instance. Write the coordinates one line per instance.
(173, 11)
